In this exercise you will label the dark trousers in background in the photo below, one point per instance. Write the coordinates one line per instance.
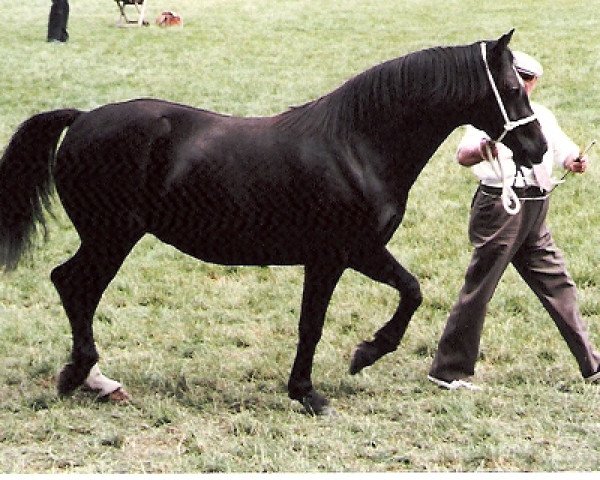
(57, 21)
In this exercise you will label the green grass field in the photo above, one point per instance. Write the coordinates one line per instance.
(206, 350)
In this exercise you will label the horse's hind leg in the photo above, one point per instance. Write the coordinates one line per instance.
(80, 282)
(383, 267)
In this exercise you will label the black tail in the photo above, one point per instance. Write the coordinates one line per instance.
(26, 181)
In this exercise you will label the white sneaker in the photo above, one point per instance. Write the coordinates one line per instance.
(595, 378)
(456, 384)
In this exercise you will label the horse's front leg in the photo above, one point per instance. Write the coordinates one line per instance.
(319, 284)
(382, 267)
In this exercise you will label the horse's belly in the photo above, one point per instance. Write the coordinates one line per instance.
(281, 227)
(235, 247)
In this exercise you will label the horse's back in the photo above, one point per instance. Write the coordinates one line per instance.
(132, 121)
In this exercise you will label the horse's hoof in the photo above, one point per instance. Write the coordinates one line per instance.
(316, 404)
(119, 396)
(365, 355)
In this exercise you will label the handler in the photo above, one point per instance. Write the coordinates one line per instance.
(521, 239)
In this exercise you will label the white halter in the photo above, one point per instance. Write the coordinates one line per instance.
(509, 197)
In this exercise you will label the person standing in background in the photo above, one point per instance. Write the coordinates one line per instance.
(57, 21)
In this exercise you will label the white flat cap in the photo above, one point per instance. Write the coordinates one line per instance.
(527, 64)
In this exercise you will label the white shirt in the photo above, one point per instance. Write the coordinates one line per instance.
(560, 147)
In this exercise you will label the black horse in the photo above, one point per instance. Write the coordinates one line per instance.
(322, 185)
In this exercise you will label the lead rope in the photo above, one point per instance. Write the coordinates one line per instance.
(510, 200)
(509, 197)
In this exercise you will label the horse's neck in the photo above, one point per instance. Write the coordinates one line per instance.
(407, 147)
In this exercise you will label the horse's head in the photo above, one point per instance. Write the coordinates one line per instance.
(506, 114)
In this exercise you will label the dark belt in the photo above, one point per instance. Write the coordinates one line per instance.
(522, 192)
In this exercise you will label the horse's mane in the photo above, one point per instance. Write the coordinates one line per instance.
(398, 88)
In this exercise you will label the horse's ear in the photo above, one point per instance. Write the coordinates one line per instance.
(498, 46)
(502, 43)
(504, 40)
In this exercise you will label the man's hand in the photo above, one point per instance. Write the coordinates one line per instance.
(483, 148)
(475, 153)
(576, 165)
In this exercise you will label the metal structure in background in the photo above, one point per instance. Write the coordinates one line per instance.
(140, 7)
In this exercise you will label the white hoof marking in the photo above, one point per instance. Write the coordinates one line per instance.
(97, 382)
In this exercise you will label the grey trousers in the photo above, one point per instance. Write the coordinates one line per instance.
(525, 241)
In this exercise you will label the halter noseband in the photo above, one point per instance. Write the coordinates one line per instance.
(510, 201)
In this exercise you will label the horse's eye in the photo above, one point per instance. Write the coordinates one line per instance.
(514, 91)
